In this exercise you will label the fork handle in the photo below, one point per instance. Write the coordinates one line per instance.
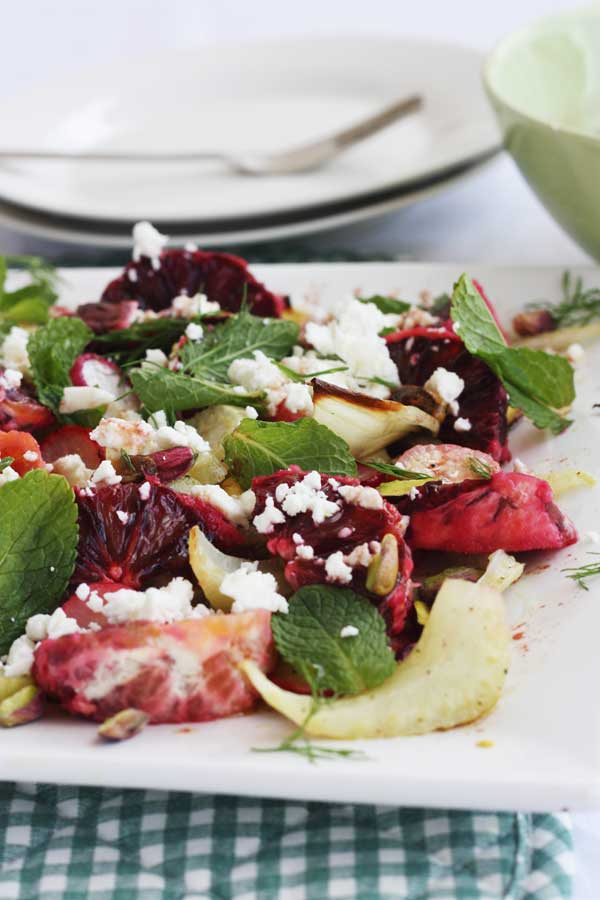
(374, 123)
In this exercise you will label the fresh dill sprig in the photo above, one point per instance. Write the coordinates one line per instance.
(581, 573)
(578, 306)
(5, 462)
(296, 376)
(396, 471)
(479, 468)
(297, 742)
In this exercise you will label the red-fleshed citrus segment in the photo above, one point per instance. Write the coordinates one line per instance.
(71, 439)
(184, 672)
(24, 449)
(511, 512)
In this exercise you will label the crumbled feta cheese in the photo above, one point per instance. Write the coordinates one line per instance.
(11, 379)
(58, 624)
(359, 495)
(20, 657)
(8, 474)
(575, 352)
(414, 493)
(462, 424)
(250, 413)
(95, 603)
(344, 533)
(349, 631)
(362, 554)
(194, 332)
(149, 242)
(446, 386)
(145, 491)
(75, 399)
(123, 517)
(198, 305)
(155, 358)
(73, 468)
(269, 518)
(519, 466)
(171, 603)
(251, 589)
(256, 374)
(105, 474)
(13, 351)
(297, 538)
(415, 317)
(306, 496)
(298, 398)
(139, 437)
(31, 455)
(236, 509)
(132, 275)
(354, 337)
(83, 591)
(304, 551)
(336, 569)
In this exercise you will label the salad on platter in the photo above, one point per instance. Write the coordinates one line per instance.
(211, 495)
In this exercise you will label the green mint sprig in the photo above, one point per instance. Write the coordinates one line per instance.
(29, 304)
(159, 388)
(537, 383)
(261, 448)
(52, 351)
(38, 545)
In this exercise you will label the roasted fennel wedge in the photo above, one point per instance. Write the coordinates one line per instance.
(366, 423)
(454, 675)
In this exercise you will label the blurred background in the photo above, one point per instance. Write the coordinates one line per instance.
(490, 216)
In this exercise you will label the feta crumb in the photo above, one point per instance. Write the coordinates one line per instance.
(304, 551)
(171, 603)
(155, 358)
(344, 533)
(236, 509)
(132, 275)
(194, 332)
(575, 352)
(349, 631)
(11, 379)
(149, 242)
(266, 521)
(105, 474)
(20, 657)
(13, 351)
(251, 589)
(446, 386)
(8, 474)
(198, 305)
(30, 455)
(306, 496)
(336, 569)
(73, 468)
(250, 413)
(462, 424)
(83, 591)
(139, 437)
(145, 490)
(519, 466)
(358, 495)
(123, 517)
(78, 398)
(413, 494)
(298, 398)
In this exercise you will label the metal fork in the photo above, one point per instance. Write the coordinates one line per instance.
(296, 159)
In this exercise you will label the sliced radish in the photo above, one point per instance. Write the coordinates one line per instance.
(69, 440)
(447, 462)
(92, 370)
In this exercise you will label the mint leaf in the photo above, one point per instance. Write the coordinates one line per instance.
(475, 323)
(261, 448)
(538, 383)
(52, 351)
(396, 471)
(238, 338)
(130, 344)
(28, 305)
(387, 304)
(38, 544)
(163, 389)
(308, 637)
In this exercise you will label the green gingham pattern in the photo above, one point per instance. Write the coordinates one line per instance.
(67, 842)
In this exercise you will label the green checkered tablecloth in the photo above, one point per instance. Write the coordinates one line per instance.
(66, 842)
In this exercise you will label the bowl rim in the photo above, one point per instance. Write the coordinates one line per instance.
(522, 34)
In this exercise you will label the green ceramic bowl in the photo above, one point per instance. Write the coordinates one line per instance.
(544, 84)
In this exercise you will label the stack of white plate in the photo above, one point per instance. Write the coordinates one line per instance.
(262, 96)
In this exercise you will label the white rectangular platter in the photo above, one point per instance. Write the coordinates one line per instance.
(543, 748)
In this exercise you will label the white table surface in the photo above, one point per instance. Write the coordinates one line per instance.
(491, 217)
